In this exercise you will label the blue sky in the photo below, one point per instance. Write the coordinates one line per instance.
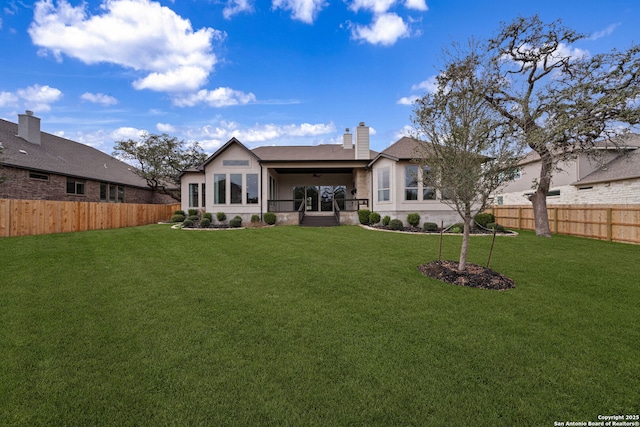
(277, 72)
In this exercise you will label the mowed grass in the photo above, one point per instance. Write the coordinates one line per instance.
(290, 326)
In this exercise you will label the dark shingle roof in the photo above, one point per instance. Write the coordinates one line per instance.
(403, 149)
(622, 167)
(326, 152)
(65, 157)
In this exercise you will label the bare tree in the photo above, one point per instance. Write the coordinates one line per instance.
(466, 149)
(559, 102)
(160, 159)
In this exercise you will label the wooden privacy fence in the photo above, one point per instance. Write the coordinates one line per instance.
(616, 223)
(29, 217)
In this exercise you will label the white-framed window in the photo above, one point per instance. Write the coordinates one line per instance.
(428, 193)
(193, 195)
(236, 188)
(232, 162)
(384, 185)
(252, 188)
(411, 182)
(220, 189)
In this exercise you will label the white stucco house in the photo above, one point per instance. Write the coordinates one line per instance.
(614, 179)
(314, 184)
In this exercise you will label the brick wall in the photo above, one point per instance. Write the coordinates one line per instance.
(18, 185)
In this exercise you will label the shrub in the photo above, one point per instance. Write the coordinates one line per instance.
(208, 215)
(179, 212)
(187, 223)
(363, 216)
(177, 218)
(236, 222)
(499, 228)
(374, 218)
(396, 224)
(458, 227)
(430, 226)
(205, 223)
(255, 218)
(193, 218)
(270, 218)
(386, 220)
(221, 216)
(482, 219)
(413, 219)
(194, 212)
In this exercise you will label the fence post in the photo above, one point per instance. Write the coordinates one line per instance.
(520, 218)
(555, 220)
(609, 224)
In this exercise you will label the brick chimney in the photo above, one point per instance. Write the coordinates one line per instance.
(362, 142)
(347, 140)
(29, 127)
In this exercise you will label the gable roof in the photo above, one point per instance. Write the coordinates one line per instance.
(219, 151)
(403, 149)
(64, 157)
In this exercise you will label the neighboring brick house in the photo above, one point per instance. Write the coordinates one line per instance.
(614, 179)
(41, 166)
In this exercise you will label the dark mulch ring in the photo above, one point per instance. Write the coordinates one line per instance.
(420, 230)
(475, 276)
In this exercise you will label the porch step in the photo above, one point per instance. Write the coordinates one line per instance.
(319, 221)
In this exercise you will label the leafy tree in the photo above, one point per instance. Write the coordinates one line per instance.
(465, 148)
(559, 102)
(160, 159)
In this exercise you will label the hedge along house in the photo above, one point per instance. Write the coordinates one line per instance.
(313, 185)
(40, 166)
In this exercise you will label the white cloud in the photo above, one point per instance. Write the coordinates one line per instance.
(430, 85)
(234, 7)
(220, 97)
(38, 98)
(213, 136)
(376, 6)
(385, 30)
(302, 10)
(165, 128)
(408, 100)
(139, 34)
(607, 31)
(420, 5)
(99, 98)
(8, 99)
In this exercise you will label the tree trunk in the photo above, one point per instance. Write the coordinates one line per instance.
(539, 198)
(462, 264)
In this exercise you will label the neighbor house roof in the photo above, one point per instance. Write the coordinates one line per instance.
(620, 168)
(64, 157)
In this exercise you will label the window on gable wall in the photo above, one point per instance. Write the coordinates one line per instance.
(428, 193)
(219, 189)
(411, 182)
(383, 185)
(193, 195)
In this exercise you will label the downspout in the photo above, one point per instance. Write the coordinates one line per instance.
(371, 192)
(261, 192)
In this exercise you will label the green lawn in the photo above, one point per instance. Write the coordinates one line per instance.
(312, 327)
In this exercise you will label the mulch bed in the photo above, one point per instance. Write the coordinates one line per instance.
(475, 276)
